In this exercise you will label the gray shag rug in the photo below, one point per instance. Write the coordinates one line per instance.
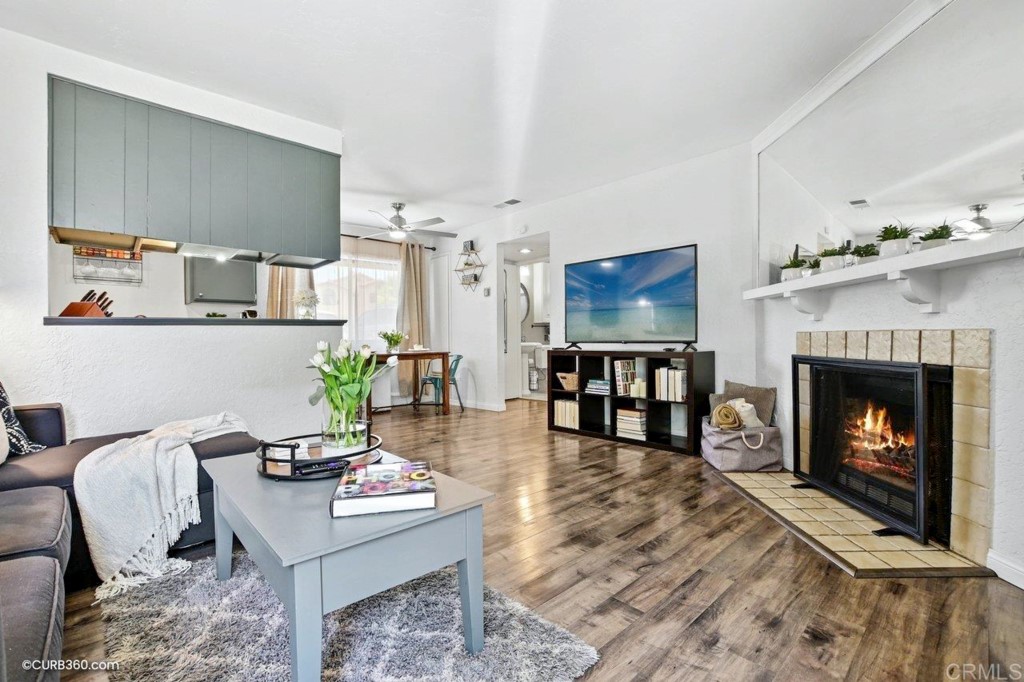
(193, 627)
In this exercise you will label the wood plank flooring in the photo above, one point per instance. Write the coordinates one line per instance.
(671, 574)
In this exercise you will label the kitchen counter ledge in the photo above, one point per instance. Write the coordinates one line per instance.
(185, 322)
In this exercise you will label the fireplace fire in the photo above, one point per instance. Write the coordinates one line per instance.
(876, 448)
(880, 438)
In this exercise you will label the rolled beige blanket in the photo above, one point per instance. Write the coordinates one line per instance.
(726, 417)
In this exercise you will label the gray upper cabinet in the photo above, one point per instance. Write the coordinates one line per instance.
(293, 209)
(170, 165)
(229, 194)
(265, 194)
(120, 165)
(99, 160)
(199, 223)
(330, 178)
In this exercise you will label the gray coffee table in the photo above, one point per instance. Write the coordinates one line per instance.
(317, 564)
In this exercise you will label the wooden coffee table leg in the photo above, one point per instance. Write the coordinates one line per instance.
(305, 618)
(471, 581)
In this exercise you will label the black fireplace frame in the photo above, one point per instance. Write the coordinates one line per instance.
(922, 375)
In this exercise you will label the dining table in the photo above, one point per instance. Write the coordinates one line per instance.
(417, 357)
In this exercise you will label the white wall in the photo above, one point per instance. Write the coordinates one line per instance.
(115, 379)
(708, 200)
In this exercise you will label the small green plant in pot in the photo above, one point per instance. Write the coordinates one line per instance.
(865, 253)
(937, 236)
(834, 258)
(895, 240)
(812, 267)
(791, 268)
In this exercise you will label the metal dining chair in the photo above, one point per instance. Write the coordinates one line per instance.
(433, 378)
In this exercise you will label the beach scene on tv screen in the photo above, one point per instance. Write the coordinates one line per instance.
(646, 296)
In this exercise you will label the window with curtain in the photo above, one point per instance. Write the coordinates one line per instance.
(363, 288)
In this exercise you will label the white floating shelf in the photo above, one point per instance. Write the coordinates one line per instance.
(917, 274)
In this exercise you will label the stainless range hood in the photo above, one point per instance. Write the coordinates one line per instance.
(114, 240)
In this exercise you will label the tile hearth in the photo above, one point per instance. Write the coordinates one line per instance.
(844, 535)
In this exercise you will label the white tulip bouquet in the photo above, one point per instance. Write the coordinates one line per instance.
(346, 377)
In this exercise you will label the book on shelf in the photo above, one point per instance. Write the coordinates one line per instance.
(670, 383)
(376, 488)
(567, 414)
(599, 386)
(625, 375)
(631, 423)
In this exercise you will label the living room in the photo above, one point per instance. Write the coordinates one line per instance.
(831, 194)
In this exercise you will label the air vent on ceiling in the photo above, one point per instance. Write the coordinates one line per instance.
(507, 203)
(860, 203)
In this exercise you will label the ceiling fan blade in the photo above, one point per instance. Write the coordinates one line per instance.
(385, 219)
(424, 223)
(433, 233)
(374, 236)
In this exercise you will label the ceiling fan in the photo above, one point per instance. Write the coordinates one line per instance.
(397, 227)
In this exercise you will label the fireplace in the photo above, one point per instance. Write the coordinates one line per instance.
(881, 439)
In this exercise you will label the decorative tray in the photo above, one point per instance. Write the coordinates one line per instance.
(284, 461)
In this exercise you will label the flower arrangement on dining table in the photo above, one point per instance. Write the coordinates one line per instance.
(393, 338)
(346, 378)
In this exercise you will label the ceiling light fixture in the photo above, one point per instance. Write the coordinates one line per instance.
(396, 234)
(525, 250)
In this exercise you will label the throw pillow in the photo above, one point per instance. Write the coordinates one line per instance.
(19, 442)
(5, 446)
(763, 399)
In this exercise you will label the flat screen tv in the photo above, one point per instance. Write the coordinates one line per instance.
(648, 297)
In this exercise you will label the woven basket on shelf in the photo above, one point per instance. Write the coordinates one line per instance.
(570, 380)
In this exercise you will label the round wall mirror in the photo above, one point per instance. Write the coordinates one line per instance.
(524, 302)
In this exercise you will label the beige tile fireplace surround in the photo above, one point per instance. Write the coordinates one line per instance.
(968, 351)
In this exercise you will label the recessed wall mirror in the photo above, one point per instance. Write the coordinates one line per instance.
(930, 134)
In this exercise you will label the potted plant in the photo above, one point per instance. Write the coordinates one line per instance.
(865, 253)
(305, 301)
(393, 339)
(895, 240)
(937, 236)
(834, 259)
(791, 268)
(812, 267)
(346, 376)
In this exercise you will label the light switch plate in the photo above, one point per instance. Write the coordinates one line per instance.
(487, 291)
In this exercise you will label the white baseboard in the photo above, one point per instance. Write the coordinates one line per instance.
(1007, 570)
(493, 407)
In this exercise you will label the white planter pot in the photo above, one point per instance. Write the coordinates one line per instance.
(808, 272)
(831, 263)
(895, 247)
(866, 259)
(933, 244)
(789, 274)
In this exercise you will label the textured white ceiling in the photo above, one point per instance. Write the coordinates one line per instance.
(455, 105)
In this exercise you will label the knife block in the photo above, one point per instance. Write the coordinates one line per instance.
(82, 309)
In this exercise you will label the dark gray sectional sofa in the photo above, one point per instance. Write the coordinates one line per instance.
(43, 551)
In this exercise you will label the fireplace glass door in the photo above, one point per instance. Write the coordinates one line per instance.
(865, 437)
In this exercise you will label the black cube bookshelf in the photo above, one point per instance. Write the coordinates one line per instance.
(672, 425)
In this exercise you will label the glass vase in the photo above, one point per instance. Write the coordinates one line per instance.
(305, 312)
(343, 428)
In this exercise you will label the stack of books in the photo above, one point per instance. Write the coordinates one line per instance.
(625, 375)
(376, 488)
(670, 384)
(630, 423)
(567, 414)
(599, 387)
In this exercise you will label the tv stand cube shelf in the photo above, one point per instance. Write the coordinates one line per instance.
(671, 425)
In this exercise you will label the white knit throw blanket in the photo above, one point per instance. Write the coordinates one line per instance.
(138, 495)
